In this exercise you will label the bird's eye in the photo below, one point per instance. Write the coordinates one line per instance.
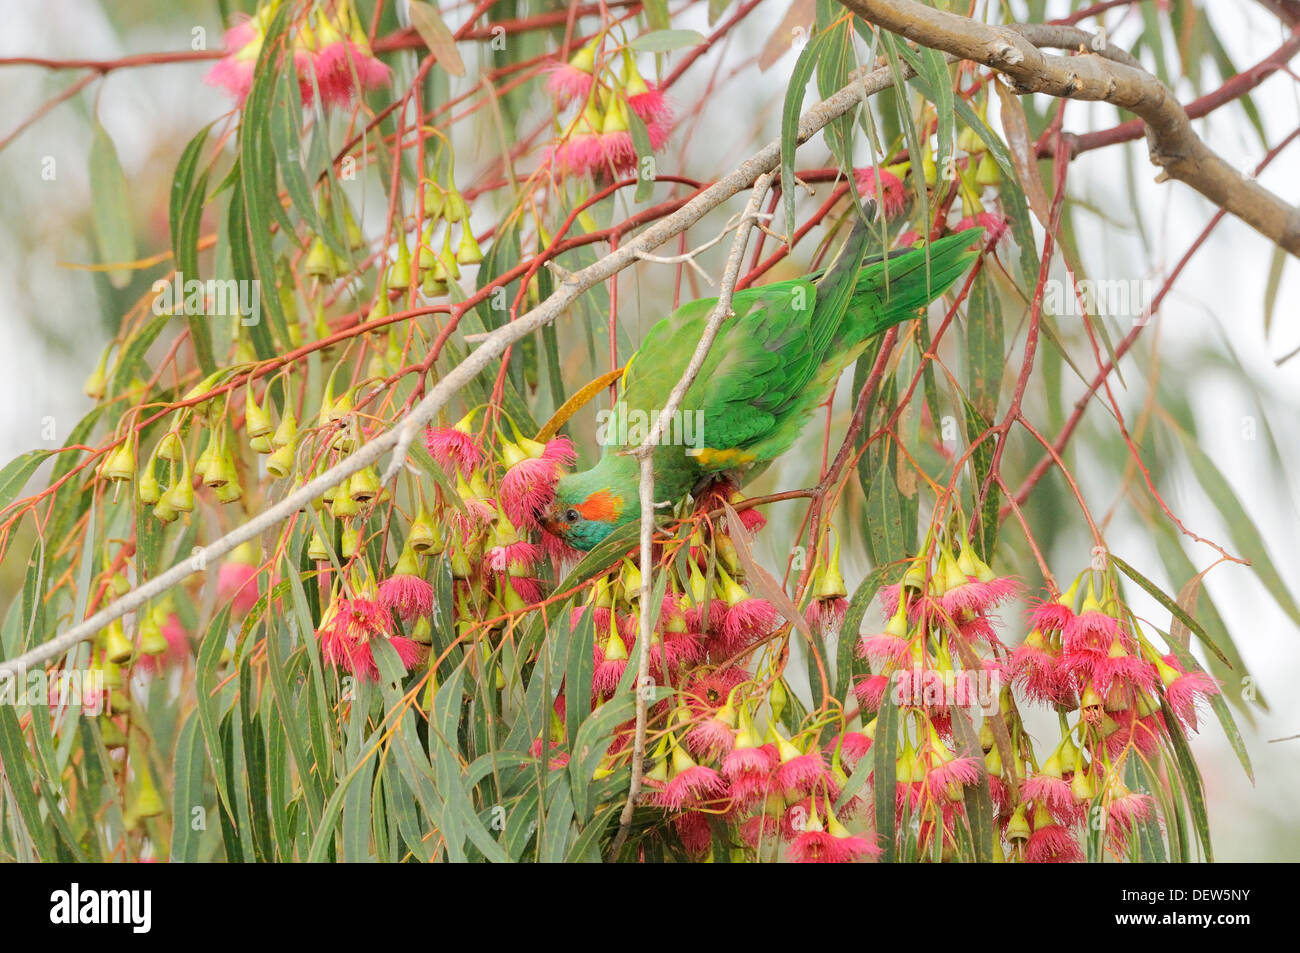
(571, 516)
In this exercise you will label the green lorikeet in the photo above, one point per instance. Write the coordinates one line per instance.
(773, 363)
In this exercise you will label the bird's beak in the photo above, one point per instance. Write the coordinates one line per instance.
(552, 522)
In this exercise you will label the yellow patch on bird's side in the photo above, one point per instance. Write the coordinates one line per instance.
(713, 459)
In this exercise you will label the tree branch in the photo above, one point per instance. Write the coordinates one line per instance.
(1172, 143)
(400, 437)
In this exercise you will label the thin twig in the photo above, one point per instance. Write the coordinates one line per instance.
(400, 437)
(645, 457)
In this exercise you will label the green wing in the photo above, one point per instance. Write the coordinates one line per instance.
(761, 357)
(777, 359)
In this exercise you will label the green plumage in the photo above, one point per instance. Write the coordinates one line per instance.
(770, 367)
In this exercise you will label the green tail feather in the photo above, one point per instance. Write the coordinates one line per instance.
(892, 290)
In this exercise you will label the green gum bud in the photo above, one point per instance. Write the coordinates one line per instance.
(152, 640)
(399, 272)
(286, 434)
(118, 649)
(1018, 826)
(280, 463)
(467, 249)
(180, 495)
(97, 383)
(170, 447)
(147, 489)
(119, 466)
(319, 263)
(777, 699)
(257, 422)
(987, 172)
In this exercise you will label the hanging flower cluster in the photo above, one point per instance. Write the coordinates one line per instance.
(607, 90)
(328, 45)
(971, 168)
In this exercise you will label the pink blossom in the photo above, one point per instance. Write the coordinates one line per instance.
(853, 745)
(801, 774)
(823, 847)
(345, 68)
(1187, 689)
(1052, 844)
(893, 194)
(995, 226)
(346, 638)
(568, 83)
(693, 830)
(691, 786)
(234, 71)
(528, 486)
(237, 583)
(409, 596)
(454, 450)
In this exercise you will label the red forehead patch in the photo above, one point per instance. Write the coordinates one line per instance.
(601, 507)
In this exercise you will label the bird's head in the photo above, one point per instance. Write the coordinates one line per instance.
(582, 514)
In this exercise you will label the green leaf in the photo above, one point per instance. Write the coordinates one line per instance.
(884, 757)
(187, 793)
(185, 214)
(790, 109)
(111, 207)
(17, 472)
(1193, 787)
(645, 161)
(1174, 608)
(436, 36)
(205, 681)
(884, 515)
(17, 760)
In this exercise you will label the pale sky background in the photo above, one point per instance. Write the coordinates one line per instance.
(53, 332)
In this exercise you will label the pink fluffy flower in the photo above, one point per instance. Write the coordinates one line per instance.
(237, 583)
(827, 614)
(1091, 631)
(883, 649)
(745, 623)
(893, 194)
(344, 68)
(568, 83)
(1037, 670)
(409, 596)
(347, 635)
(995, 226)
(975, 596)
(870, 690)
(529, 482)
(1054, 794)
(691, 786)
(611, 659)
(1052, 844)
(749, 770)
(234, 71)
(519, 556)
(948, 777)
(853, 745)
(1127, 810)
(800, 774)
(1050, 616)
(693, 829)
(1185, 689)
(453, 449)
(558, 551)
(823, 847)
